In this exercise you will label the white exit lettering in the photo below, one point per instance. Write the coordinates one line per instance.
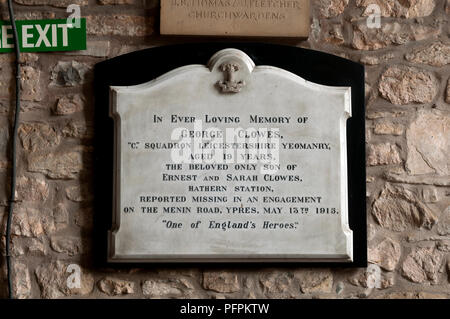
(47, 35)
(6, 34)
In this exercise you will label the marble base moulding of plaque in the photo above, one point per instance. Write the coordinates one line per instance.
(231, 157)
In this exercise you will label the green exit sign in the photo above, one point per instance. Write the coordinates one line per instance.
(44, 35)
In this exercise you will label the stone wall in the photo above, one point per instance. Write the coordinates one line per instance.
(408, 151)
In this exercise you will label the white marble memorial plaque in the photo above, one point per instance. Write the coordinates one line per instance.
(230, 162)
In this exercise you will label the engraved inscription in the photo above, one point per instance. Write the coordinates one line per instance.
(236, 17)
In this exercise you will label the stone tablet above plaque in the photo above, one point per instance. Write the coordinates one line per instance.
(230, 162)
(267, 18)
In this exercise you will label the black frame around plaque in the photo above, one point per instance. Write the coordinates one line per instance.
(143, 66)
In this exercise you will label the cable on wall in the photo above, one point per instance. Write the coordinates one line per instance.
(14, 150)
